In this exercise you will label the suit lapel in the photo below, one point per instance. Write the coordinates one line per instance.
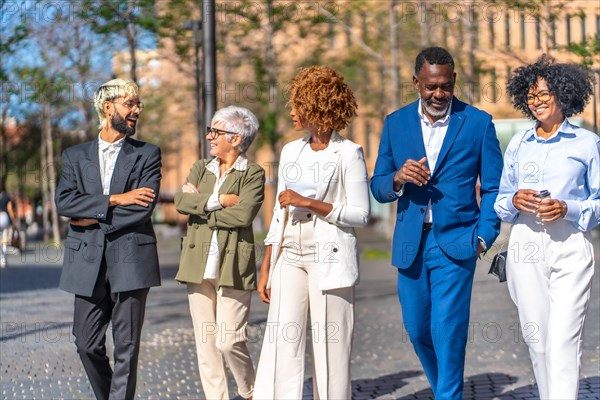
(233, 177)
(90, 169)
(335, 146)
(125, 162)
(415, 136)
(456, 121)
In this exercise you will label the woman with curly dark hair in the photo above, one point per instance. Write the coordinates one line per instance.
(550, 192)
(311, 257)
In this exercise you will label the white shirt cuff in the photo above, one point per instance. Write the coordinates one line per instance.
(213, 203)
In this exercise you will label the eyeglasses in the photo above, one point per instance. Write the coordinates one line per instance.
(542, 96)
(131, 105)
(213, 133)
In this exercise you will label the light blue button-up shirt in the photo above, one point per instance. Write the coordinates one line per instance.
(567, 164)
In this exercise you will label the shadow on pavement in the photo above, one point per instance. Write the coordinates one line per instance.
(384, 384)
(379, 386)
(586, 386)
(21, 278)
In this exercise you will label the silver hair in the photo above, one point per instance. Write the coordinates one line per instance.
(111, 90)
(239, 120)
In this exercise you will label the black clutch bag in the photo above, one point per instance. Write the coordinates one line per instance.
(498, 266)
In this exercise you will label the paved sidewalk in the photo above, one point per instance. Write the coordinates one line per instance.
(38, 358)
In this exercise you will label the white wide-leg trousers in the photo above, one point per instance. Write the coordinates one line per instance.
(550, 269)
(295, 292)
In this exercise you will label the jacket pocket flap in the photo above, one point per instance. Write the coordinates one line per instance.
(144, 239)
(73, 243)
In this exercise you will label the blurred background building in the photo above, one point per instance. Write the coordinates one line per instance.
(260, 46)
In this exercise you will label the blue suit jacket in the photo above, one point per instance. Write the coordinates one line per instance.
(470, 150)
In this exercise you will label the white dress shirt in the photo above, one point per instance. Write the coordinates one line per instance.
(107, 157)
(433, 137)
(212, 262)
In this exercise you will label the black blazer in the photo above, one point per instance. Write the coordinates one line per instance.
(124, 235)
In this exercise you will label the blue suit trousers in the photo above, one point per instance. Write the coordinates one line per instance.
(435, 295)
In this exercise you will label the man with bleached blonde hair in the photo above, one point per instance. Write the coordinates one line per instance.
(108, 189)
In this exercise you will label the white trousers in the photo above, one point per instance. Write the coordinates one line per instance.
(220, 318)
(550, 269)
(295, 292)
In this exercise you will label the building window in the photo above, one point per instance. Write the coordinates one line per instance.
(583, 32)
(507, 30)
(568, 28)
(522, 21)
(348, 21)
(492, 34)
(598, 27)
(475, 28)
(367, 140)
(364, 24)
(331, 35)
(495, 86)
(538, 33)
(553, 32)
(351, 130)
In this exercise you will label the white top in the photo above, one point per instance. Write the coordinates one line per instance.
(212, 262)
(345, 186)
(311, 169)
(433, 138)
(107, 157)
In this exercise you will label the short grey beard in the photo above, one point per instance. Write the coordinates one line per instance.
(432, 111)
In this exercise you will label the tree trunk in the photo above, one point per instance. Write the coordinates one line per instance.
(44, 177)
(51, 172)
(271, 171)
(471, 70)
(4, 151)
(131, 40)
(394, 55)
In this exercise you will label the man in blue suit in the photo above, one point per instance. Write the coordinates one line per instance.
(431, 155)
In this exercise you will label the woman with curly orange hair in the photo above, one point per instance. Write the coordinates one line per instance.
(311, 257)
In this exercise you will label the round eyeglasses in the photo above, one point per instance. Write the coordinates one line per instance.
(131, 105)
(213, 133)
(542, 96)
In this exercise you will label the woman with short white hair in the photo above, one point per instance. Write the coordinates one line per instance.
(222, 196)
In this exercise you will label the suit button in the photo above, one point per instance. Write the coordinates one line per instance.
(192, 246)
(128, 237)
(422, 210)
(309, 215)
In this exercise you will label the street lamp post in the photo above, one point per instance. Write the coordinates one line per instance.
(209, 53)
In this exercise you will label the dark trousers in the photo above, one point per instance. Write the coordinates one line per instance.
(91, 317)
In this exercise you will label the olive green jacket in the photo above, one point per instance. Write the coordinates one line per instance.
(233, 224)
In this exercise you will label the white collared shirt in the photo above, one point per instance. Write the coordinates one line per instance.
(241, 164)
(107, 157)
(433, 138)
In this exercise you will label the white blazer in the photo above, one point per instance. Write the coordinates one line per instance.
(348, 190)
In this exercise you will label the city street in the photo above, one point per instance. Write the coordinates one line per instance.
(38, 359)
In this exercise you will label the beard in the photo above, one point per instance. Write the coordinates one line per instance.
(119, 124)
(434, 112)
